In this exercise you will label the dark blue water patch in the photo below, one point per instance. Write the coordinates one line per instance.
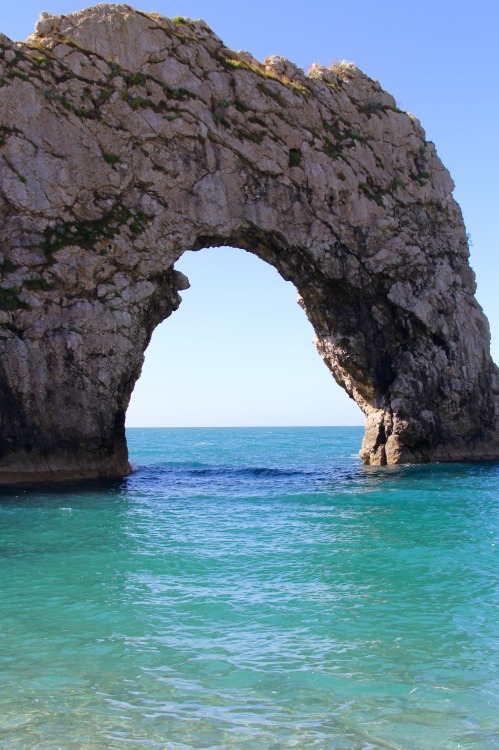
(252, 471)
(231, 481)
(234, 472)
(372, 475)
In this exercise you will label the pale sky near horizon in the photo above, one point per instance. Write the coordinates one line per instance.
(239, 351)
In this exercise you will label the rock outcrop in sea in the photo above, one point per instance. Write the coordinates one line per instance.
(126, 139)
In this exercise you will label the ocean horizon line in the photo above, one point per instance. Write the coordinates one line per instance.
(242, 427)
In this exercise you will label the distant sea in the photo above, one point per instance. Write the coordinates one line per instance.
(252, 589)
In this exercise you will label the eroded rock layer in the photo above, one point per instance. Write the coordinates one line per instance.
(126, 139)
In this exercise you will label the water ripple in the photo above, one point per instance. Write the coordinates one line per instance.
(253, 590)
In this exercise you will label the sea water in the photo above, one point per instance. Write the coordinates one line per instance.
(252, 589)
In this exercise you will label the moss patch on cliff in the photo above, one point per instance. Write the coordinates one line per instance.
(372, 191)
(37, 285)
(110, 158)
(9, 299)
(88, 233)
(294, 157)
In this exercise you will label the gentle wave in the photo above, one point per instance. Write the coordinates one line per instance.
(223, 471)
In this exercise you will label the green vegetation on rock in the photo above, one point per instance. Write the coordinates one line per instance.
(9, 299)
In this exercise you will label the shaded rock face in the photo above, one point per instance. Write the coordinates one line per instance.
(127, 139)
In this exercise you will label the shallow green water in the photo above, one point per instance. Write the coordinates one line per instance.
(253, 589)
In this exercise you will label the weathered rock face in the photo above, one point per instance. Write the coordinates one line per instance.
(125, 140)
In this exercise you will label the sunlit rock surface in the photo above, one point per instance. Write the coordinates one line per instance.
(126, 139)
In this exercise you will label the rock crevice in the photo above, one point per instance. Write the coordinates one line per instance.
(127, 138)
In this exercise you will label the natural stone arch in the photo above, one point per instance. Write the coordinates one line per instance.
(126, 139)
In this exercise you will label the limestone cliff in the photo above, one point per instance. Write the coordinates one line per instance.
(126, 139)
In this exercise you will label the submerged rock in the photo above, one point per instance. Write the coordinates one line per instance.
(126, 139)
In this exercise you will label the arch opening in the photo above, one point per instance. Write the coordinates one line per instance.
(238, 352)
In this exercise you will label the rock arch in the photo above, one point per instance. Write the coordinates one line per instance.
(127, 138)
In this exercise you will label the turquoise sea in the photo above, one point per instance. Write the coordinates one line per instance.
(252, 589)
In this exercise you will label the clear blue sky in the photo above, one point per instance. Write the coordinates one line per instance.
(238, 351)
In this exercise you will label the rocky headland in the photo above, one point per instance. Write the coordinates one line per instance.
(127, 138)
